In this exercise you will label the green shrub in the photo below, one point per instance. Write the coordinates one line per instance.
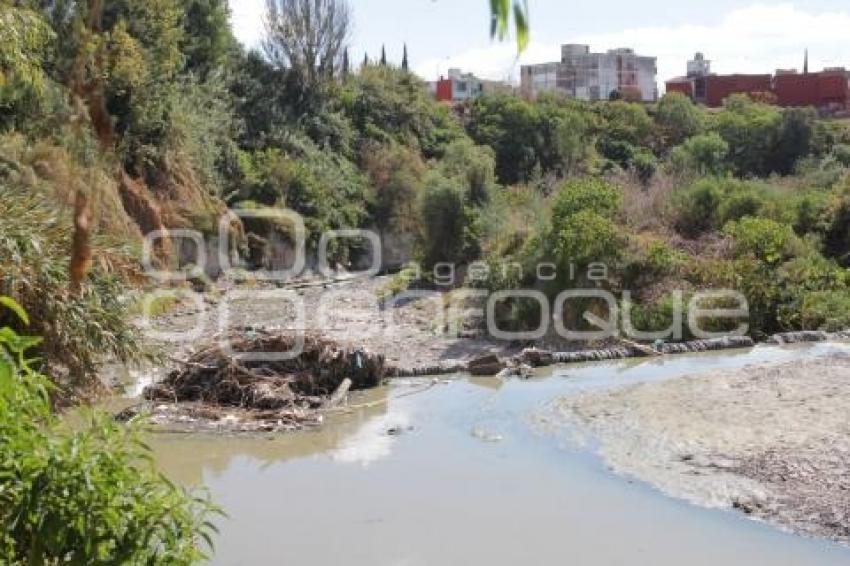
(678, 118)
(760, 238)
(86, 496)
(704, 154)
(662, 259)
(586, 237)
(644, 164)
(754, 279)
(837, 237)
(445, 220)
(474, 166)
(826, 310)
(532, 139)
(395, 181)
(79, 331)
(325, 188)
(399, 283)
(740, 204)
(696, 210)
(386, 105)
(711, 203)
(799, 279)
(617, 151)
(751, 130)
(812, 213)
(624, 121)
(841, 153)
(589, 193)
(656, 316)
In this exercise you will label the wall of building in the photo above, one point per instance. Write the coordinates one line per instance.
(647, 68)
(459, 87)
(685, 87)
(720, 87)
(827, 89)
(814, 89)
(592, 76)
(444, 90)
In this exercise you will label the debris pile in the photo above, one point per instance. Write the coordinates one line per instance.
(255, 382)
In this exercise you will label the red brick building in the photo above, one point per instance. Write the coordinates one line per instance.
(827, 90)
(712, 90)
(719, 87)
(683, 85)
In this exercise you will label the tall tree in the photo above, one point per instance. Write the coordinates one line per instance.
(383, 56)
(208, 37)
(404, 63)
(307, 37)
(346, 64)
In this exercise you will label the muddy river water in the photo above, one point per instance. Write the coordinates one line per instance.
(457, 473)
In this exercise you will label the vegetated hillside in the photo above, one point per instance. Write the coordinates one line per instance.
(155, 114)
(671, 197)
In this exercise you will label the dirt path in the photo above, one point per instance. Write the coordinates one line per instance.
(772, 441)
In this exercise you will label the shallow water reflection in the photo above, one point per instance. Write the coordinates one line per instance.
(403, 480)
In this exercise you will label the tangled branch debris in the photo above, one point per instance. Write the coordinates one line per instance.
(238, 388)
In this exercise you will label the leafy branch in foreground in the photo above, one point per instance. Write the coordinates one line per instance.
(500, 13)
(83, 496)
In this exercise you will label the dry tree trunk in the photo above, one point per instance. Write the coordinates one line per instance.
(81, 251)
(89, 90)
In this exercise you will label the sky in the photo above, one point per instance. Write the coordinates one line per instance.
(737, 36)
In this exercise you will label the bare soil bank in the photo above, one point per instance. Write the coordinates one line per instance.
(772, 441)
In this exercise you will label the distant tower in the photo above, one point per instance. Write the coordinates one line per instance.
(699, 66)
(806, 63)
(366, 60)
(383, 56)
(404, 63)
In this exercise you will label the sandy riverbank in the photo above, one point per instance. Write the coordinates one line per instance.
(772, 441)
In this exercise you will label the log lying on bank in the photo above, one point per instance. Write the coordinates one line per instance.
(710, 345)
(799, 337)
(592, 355)
(536, 358)
(428, 371)
(542, 358)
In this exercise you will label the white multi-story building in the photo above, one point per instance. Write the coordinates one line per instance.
(590, 76)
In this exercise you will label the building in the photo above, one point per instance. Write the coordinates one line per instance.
(827, 90)
(590, 76)
(720, 87)
(459, 87)
(705, 87)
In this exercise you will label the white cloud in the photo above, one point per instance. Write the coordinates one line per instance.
(757, 38)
